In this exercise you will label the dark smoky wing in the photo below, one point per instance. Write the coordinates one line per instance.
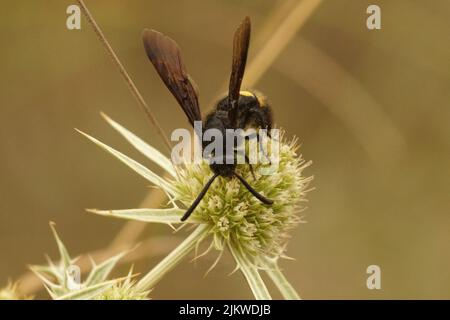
(240, 49)
(164, 54)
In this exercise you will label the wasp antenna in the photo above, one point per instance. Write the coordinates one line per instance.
(253, 191)
(199, 197)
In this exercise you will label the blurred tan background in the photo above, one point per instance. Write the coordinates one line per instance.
(370, 107)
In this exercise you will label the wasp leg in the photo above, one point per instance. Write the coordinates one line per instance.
(255, 193)
(261, 146)
(247, 161)
(199, 197)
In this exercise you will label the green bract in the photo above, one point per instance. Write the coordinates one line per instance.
(60, 285)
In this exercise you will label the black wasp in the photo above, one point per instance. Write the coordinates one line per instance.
(238, 110)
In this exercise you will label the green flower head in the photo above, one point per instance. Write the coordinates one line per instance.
(236, 217)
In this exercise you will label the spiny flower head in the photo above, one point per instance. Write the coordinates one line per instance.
(123, 290)
(12, 292)
(63, 280)
(236, 216)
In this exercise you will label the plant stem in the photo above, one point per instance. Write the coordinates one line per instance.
(287, 290)
(125, 75)
(251, 274)
(173, 258)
